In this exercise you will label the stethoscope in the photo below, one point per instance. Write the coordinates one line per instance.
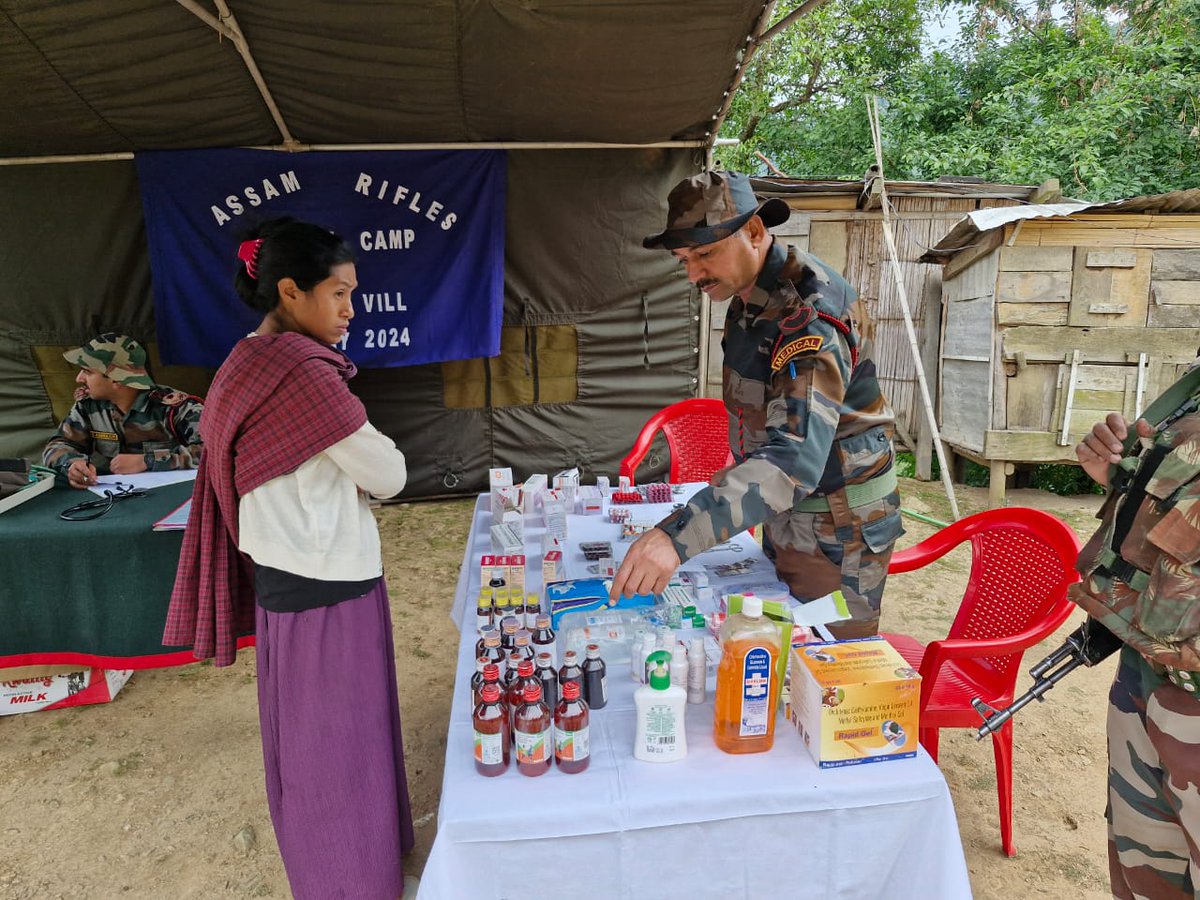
(94, 509)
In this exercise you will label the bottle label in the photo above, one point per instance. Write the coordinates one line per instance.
(489, 748)
(661, 730)
(531, 747)
(756, 692)
(571, 745)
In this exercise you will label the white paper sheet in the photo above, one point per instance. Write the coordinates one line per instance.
(144, 480)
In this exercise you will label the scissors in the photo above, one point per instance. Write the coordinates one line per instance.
(94, 509)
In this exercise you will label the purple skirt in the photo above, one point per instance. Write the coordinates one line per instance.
(334, 760)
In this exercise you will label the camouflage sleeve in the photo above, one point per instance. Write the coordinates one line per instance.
(72, 441)
(183, 422)
(803, 408)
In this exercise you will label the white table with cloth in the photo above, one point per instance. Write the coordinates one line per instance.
(711, 825)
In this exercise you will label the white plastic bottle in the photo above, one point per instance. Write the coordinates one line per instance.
(697, 675)
(660, 708)
(679, 666)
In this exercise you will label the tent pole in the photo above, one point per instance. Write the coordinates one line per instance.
(894, 259)
(465, 145)
(739, 69)
(227, 25)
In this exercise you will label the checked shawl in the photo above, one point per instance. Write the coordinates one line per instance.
(275, 402)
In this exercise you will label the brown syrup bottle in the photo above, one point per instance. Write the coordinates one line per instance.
(572, 749)
(533, 731)
(490, 720)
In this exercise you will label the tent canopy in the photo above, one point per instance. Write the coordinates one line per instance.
(115, 76)
(597, 332)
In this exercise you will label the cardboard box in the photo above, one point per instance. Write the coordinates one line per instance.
(552, 566)
(854, 701)
(29, 688)
(516, 574)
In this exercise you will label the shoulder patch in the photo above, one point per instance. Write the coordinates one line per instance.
(797, 320)
(171, 398)
(809, 343)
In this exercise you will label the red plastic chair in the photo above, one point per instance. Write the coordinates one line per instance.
(697, 433)
(1021, 566)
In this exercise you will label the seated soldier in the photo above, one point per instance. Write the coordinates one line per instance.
(122, 422)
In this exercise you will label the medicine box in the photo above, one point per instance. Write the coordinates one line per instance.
(854, 701)
(516, 574)
(552, 566)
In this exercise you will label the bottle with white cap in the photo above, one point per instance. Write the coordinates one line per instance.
(679, 665)
(660, 708)
(697, 673)
(743, 714)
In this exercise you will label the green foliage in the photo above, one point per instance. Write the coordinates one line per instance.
(1107, 103)
(1065, 481)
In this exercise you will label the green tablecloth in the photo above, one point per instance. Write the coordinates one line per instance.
(92, 592)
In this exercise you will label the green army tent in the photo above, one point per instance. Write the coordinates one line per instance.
(602, 107)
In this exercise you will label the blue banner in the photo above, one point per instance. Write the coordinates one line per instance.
(427, 228)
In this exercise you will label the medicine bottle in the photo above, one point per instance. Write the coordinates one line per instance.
(521, 643)
(494, 652)
(570, 671)
(543, 638)
(490, 722)
(483, 612)
(743, 714)
(548, 678)
(571, 739)
(595, 679)
(516, 687)
(533, 733)
(508, 632)
(533, 610)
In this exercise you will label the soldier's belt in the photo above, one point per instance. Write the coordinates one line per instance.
(856, 494)
(1113, 566)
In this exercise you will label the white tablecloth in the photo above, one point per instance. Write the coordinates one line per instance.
(711, 825)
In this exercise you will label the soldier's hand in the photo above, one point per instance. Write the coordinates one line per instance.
(647, 567)
(719, 476)
(81, 473)
(1102, 446)
(128, 464)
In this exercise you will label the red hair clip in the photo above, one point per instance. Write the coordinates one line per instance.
(248, 253)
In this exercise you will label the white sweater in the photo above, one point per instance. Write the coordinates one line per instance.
(315, 521)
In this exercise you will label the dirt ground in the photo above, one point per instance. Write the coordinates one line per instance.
(159, 794)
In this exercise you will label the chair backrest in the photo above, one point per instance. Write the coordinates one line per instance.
(1022, 562)
(697, 434)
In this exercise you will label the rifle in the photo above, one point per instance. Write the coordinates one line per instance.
(1087, 645)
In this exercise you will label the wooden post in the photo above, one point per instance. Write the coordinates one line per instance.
(930, 353)
(998, 472)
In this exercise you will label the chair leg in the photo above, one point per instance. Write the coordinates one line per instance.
(929, 740)
(1002, 748)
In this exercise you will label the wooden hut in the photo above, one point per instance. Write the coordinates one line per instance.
(1054, 315)
(841, 222)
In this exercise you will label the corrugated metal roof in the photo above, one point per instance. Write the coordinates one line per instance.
(972, 226)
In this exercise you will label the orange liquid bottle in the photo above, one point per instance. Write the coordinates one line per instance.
(743, 713)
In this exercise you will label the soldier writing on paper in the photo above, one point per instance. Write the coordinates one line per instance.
(122, 422)
(809, 428)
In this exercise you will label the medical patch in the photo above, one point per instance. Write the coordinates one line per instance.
(810, 343)
(104, 436)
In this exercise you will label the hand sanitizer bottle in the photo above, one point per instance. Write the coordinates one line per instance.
(660, 709)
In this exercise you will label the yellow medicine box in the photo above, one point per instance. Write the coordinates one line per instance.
(854, 701)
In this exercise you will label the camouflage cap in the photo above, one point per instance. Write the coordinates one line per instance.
(711, 206)
(117, 356)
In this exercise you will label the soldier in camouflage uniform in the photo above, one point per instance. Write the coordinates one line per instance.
(122, 422)
(809, 429)
(1141, 580)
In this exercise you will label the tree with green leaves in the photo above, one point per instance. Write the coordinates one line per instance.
(1105, 99)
